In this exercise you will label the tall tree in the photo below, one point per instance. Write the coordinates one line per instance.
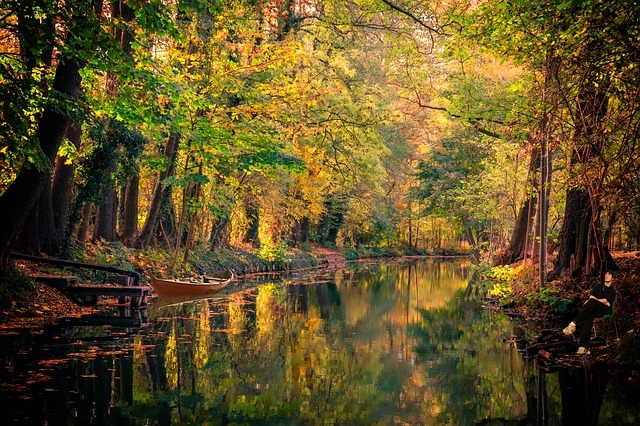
(591, 45)
(49, 128)
(161, 192)
(122, 16)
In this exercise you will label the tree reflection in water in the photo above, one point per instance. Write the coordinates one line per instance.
(370, 343)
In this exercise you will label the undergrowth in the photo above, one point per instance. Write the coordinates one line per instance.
(518, 285)
(15, 287)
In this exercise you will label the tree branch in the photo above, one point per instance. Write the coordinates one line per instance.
(476, 122)
(412, 16)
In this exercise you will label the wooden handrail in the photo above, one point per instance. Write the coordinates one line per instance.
(136, 276)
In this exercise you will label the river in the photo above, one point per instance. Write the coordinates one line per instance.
(381, 343)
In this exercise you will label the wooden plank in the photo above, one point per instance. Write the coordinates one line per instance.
(123, 280)
(88, 294)
(99, 290)
(57, 281)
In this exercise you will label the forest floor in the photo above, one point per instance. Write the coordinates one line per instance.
(45, 306)
(626, 281)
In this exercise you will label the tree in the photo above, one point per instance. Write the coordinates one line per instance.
(122, 15)
(49, 126)
(591, 74)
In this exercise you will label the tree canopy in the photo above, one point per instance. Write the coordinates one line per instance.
(274, 124)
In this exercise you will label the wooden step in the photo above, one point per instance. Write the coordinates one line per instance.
(123, 280)
(88, 294)
(57, 281)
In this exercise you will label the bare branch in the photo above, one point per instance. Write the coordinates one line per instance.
(412, 16)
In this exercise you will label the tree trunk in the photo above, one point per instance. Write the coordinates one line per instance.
(337, 219)
(410, 244)
(48, 219)
(574, 232)
(519, 240)
(325, 222)
(219, 234)
(579, 209)
(468, 233)
(193, 221)
(122, 11)
(130, 212)
(106, 215)
(161, 192)
(516, 249)
(305, 229)
(40, 236)
(125, 37)
(107, 211)
(63, 183)
(253, 218)
(83, 228)
(168, 223)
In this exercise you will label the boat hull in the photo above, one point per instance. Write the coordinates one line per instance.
(208, 285)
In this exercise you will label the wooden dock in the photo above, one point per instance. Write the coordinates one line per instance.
(125, 282)
(88, 294)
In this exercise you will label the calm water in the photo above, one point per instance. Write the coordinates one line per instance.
(393, 343)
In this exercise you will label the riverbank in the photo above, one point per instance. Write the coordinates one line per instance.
(37, 305)
(24, 299)
(552, 309)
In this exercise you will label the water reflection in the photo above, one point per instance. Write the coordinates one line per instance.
(367, 344)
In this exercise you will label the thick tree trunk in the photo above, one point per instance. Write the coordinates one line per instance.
(21, 196)
(40, 236)
(253, 219)
(524, 222)
(575, 233)
(475, 252)
(107, 210)
(83, 228)
(325, 222)
(122, 11)
(334, 226)
(219, 237)
(63, 183)
(305, 229)
(516, 249)
(106, 215)
(161, 192)
(48, 219)
(130, 212)
(125, 37)
(193, 220)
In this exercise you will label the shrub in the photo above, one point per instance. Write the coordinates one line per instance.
(351, 254)
(276, 253)
(547, 296)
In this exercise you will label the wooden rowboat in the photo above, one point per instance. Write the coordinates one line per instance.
(204, 284)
